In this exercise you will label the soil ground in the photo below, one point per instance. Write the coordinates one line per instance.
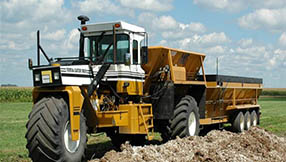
(256, 144)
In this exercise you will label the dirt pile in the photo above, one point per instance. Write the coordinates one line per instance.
(253, 145)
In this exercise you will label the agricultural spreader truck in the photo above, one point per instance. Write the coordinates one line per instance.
(120, 86)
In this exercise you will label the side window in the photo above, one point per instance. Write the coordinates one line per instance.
(135, 52)
(141, 51)
(87, 47)
(122, 49)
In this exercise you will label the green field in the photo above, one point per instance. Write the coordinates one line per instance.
(13, 118)
(273, 116)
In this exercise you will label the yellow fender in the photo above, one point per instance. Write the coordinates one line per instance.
(75, 104)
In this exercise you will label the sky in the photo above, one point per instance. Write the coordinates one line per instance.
(247, 36)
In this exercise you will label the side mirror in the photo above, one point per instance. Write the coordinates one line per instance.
(144, 54)
(30, 64)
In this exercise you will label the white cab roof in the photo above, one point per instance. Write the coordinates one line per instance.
(99, 27)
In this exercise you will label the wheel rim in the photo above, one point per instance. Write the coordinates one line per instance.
(248, 123)
(192, 124)
(241, 123)
(254, 120)
(70, 145)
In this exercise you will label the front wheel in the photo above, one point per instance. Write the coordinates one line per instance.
(49, 134)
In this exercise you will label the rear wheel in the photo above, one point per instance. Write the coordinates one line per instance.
(238, 122)
(254, 119)
(185, 121)
(247, 122)
(49, 135)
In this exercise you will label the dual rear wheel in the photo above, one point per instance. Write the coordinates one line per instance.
(243, 121)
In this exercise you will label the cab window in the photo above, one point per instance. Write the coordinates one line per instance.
(98, 47)
(135, 52)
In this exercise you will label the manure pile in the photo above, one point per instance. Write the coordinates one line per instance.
(253, 145)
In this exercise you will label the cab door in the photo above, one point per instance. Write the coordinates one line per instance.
(136, 71)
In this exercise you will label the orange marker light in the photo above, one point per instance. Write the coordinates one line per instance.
(117, 25)
(84, 28)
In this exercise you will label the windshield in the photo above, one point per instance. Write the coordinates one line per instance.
(97, 46)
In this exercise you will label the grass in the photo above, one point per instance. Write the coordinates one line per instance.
(13, 118)
(274, 115)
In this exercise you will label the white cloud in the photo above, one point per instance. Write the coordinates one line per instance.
(152, 5)
(168, 27)
(213, 38)
(272, 19)
(24, 11)
(229, 5)
(163, 43)
(104, 7)
(190, 36)
(278, 59)
(266, 3)
(245, 42)
(238, 5)
(169, 23)
(254, 51)
(249, 61)
(203, 42)
(73, 39)
(219, 4)
(216, 50)
(282, 39)
(155, 22)
(165, 22)
(23, 17)
(184, 30)
(57, 35)
(12, 42)
(196, 27)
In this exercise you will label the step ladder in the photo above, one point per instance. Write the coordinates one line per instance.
(148, 122)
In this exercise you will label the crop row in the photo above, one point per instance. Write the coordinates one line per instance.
(273, 93)
(25, 94)
(15, 94)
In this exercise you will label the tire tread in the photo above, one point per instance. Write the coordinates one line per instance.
(178, 123)
(43, 132)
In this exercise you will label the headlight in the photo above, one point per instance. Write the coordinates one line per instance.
(56, 75)
(37, 77)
